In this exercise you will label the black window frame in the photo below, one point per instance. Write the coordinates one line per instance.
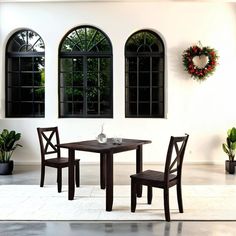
(84, 56)
(20, 55)
(135, 99)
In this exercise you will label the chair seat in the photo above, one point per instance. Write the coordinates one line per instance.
(152, 176)
(59, 161)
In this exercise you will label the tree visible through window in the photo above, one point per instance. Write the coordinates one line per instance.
(25, 75)
(144, 75)
(85, 74)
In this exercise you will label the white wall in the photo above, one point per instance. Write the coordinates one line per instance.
(204, 110)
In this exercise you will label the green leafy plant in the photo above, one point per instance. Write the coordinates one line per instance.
(230, 146)
(8, 144)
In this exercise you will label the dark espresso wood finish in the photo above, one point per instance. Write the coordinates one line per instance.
(49, 145)
(102, 170)
(106, 151)
(169, 178)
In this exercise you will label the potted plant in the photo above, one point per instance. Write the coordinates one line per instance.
(8, 144)
(230, 148)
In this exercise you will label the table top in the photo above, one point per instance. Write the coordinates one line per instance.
(109, 146)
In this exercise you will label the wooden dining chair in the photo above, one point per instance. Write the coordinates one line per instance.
(48, 140)
(164, 180)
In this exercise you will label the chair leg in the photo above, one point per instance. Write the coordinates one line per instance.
(166, 204)
(77, 174)
(42, 175)
(149, 194)
(179, 197)
(133, 195)
(59, 179)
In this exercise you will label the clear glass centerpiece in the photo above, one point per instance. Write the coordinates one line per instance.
(102, 138)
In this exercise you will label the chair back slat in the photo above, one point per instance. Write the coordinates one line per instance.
(48, 139)
(173, 170)
(49, 142)
(176, 148)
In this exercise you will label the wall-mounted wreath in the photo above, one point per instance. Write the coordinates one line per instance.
(200, 62)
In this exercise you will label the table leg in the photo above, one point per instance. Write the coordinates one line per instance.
(109, 181)
(71, 178)
(102, 170)
(139, 167)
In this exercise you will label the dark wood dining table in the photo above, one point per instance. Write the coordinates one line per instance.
(106, 151)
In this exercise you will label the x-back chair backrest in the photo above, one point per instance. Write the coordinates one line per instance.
(173, 165)
(48, 139)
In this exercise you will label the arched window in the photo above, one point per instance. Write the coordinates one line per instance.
(25, 75)
(85, 74)
(144, 75)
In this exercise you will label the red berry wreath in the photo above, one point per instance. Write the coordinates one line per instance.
(200, 62)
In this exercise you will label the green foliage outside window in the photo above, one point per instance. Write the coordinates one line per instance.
(85, 71)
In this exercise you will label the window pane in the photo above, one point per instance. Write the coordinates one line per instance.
(26, 57)
(157, 64)
(78, 108)
(157, 46)
(38, 64)
(39, 109)
(13, 94)
(13, 64)
(158, 109)
(71, 79)
(66, 79)
(66, 108)
(90, 73)
(86, 39)
(92, 108)
(104, 80)
(131, 79)
(144, 79)
(26, 64)
(66, 64)
(77, 64)
(92, 79)
(26, 94)
(25, 41)
(78, 94)
(26, 79)
(144, 41)
(144, 64)
(144, 74)
(13, 79)
(67, 45)
(132, 45)
(132, 94)
(105, 108)
(157, 94)
(78, 79)
(105, 94)
(66, 94)
(39, 94)
(27, 109)
(144, 94)
(93, 64)
(132, 109)
(157, 79)
(39, 79)
(131, 64)
(92, 94)
(13, 108)
(105, 65)
(144, 109)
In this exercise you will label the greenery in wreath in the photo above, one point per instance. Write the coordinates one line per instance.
(200, 62)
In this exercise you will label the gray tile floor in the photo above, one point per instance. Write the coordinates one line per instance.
(192, 174)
